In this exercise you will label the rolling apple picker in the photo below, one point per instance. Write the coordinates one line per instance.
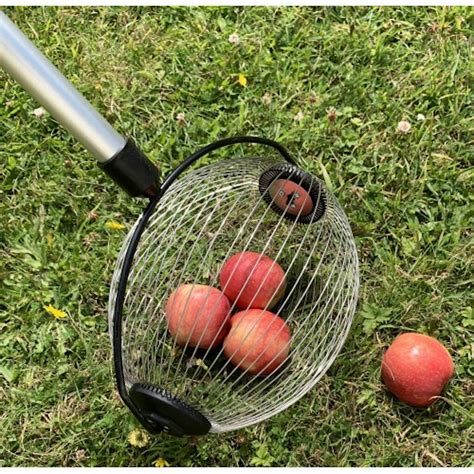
(196, 220)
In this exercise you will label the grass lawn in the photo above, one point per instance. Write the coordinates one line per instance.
(332, 84)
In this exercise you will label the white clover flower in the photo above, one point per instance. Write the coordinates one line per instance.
(403, 126)
(299, 116)
(39, 112)
(332, 114)
(181, 119)
(234, 38)
(420, 117)
(267, 98)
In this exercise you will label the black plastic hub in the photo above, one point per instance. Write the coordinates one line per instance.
(300, 178)
(164, 412)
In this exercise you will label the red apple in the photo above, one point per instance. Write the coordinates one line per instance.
(252, 280)
(416, 368)
(258, 341)
(198, 315)
(291, 197)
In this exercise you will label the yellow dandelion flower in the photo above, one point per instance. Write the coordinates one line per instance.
(138, 438)
(114, 225)
(242, 80)
(160, 462)
(57, 313)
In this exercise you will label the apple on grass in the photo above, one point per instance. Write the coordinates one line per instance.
(252, 280)
(415, 368)
(198, 316)
(258, 341)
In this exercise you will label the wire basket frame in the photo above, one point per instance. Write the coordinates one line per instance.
(203, 219)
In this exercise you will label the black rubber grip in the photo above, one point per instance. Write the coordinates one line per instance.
(133, 171)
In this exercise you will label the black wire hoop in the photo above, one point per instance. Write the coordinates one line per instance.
(131, 250)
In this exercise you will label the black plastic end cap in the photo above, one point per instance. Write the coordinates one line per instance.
(133, 171)
(164, 412)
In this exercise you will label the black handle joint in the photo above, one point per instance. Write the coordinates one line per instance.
(133, 171)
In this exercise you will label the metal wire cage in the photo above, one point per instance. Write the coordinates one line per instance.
(206, 216)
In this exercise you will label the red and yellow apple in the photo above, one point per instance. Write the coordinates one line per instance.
(290, 197)
(252, 280)
(258, 341)
(415, 368)
(198, 315)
